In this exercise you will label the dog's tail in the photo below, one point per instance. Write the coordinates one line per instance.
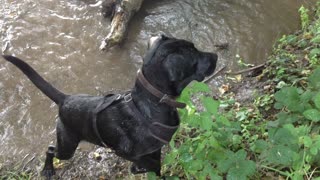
(50, 91)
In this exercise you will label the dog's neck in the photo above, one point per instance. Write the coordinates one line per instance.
(163, 97)
(150, 106)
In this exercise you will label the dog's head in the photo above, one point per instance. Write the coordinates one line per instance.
(171, 64)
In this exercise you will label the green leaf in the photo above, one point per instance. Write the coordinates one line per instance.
(317, 100)
(186, 157)
(152, 176)
(241, 170)
(260, 145)
(225, 164)
(278, 105)
(200, 147)
(171, 157)
(172, 178)
(213, 142)
(218, 155)
(200, 87)
(223, 120)
(205, 121)
(236, 139)
(312, 114)
(306, 96)
(316, 39)
(286, 118)
(193, 120)
(280, 155)
(233, 159)
(315, 52)
(282, 136)
(302, 43)
(208, 170)
(289, 97)
(314, 79)
(292, 39)
(241, 115)
(211, 105)
(314, 150)
(195, 165)
(307, 141)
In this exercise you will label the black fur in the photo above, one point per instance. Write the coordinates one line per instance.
(170, 65)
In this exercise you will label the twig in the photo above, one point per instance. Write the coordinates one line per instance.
(214, 74)
(233, 73)
(246, 70)
(33, 157)
(21, 162)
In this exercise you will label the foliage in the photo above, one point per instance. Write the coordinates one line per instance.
(207, 145)
(304, 17)
(294, 141)
(276, 136)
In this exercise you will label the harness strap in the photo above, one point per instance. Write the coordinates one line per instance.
(162, 132)
(157, 130)
(101, 106)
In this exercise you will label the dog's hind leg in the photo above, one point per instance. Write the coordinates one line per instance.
(67, 143)
(147, 163)
(48, 170)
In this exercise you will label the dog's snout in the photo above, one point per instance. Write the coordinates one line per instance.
(212, 59)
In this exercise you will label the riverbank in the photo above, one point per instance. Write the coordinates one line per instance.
(266, 127)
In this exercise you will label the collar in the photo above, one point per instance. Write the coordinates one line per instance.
(164, 98)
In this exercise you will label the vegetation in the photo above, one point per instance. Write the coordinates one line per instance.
(276, 136)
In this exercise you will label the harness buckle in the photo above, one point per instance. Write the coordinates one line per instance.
(128, 97)
(164, 98)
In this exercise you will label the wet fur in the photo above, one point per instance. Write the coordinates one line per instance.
(170, 64)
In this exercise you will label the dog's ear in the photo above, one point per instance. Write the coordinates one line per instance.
(176, 67)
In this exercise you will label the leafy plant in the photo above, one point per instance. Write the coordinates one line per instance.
(293, 146)
(207, 144)
(304, 17)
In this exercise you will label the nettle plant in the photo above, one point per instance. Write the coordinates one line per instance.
(207, 144)
(293, 145)
(212, 143)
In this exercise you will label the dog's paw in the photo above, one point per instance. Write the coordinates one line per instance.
(48, 173)
(137, 170)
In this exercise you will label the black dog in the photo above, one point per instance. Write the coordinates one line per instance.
(135, 124)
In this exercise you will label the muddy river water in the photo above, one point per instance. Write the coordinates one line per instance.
(61, 39)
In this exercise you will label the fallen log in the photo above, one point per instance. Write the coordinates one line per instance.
(120, 11)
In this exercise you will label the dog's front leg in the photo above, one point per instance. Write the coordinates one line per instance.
(147, 163)
(48, 169)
